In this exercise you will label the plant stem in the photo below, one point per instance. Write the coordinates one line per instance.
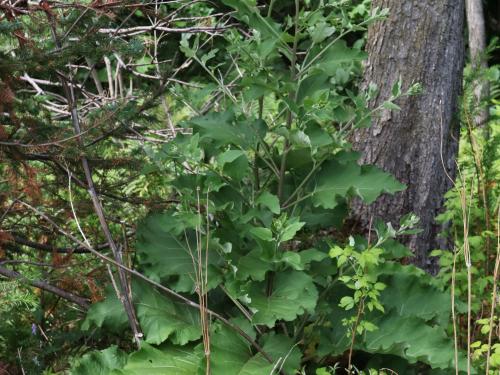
(481, 183)
(291, 96)
(494, 294)
(353, 334)
(255, 166)
(304, 181)
(453, 312)
(270, 9)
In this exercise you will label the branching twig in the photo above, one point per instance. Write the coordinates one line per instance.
(80, 301)
(143, 29)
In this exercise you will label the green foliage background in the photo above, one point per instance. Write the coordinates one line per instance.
(227, 142)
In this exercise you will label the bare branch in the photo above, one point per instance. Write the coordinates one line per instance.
(80, 301)
(144, 29)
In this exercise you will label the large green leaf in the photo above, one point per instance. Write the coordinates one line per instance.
(160, 247)
(318, 217)
(223, 128)
(270, 201)
(340, 179)
(167, 246)
(256, 365)
(248, 13)
(311, 255)
(407, 287)
(253, 266)
(160, 318)
(231, 354)
(337, 55)
(282, 348)
(234, 164)
(262, 233)
(216, 126)
(412, 339)
(293, 294)
(318, 136)
(167, 360)
(108, 314)
(312, 86)
(417, 313)
(100, 363)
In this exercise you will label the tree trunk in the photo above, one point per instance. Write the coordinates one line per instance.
(421, 41)
(477, 47)
(477, 30)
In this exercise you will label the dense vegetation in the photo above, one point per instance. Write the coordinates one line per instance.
(175, 187)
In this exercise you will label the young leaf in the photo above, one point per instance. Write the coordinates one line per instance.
(336, 251)
(293, 260)
(264, 234)
(270, 201)
(391, 106)
(346, 303)
(291, 230)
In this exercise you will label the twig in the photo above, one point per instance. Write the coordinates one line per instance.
(291, 96)
(95, 77)
(37, 264)
(107, 62)
(77, 222)
(80, 301)
(143, 29)
(20, 360)
(468, 262)
(4, 214)
(39, 246)
(32, 82)
(388, 369)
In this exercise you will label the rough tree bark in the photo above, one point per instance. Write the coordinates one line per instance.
(477, 47)
(421, 41)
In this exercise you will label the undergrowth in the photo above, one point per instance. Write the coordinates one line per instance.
(244, 266)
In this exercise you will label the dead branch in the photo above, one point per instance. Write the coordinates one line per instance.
(80, 301)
